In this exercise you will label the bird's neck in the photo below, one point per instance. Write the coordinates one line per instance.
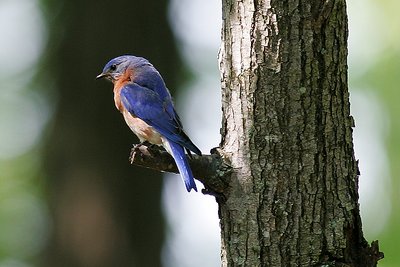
(122, 80)
(118, 85)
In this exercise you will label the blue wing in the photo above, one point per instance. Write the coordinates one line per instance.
(159, 113)
(146, 104)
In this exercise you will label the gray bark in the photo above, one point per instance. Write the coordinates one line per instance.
(292, 198)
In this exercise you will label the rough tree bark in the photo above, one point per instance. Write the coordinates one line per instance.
(287, 133)
(290, 194)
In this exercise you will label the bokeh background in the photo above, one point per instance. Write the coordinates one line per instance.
(68, 196)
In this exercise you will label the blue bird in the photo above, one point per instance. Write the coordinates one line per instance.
(143, 99)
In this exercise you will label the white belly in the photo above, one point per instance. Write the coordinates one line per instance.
(142, 130)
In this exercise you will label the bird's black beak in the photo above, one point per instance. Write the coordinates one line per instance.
(101, 75)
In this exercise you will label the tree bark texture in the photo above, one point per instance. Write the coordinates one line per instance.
(287, 134)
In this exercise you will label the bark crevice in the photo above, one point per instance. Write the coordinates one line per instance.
(287, 133)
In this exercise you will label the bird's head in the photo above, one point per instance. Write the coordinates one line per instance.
(118, 66)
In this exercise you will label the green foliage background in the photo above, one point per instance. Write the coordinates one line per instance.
(376, 26)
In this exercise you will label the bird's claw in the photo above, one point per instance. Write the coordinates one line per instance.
(144, 143)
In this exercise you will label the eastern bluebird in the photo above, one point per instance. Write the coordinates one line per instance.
(143, 99)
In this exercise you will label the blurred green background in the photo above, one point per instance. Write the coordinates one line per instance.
(68, 196)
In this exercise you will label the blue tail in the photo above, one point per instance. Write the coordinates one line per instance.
(182, 163)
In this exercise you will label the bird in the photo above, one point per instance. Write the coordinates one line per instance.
(145, 102)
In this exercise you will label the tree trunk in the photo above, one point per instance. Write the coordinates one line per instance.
(287, 133)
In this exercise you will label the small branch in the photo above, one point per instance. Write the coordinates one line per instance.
(208, 169)
(374, 254)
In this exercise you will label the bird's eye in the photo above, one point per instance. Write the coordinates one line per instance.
(113, 67)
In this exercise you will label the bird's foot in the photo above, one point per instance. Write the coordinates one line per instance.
(139, 148)
(144, 143)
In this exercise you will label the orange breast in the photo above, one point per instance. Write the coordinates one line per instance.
(117, 99)
(118, 85)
